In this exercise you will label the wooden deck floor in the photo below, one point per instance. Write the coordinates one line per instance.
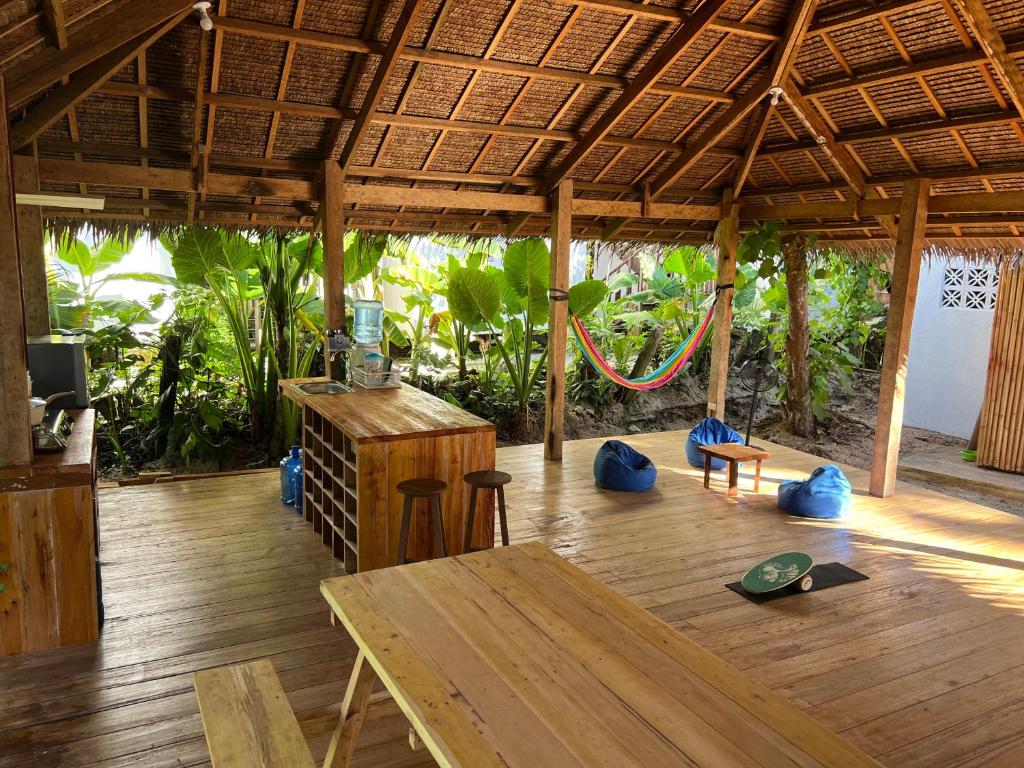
(922, 665)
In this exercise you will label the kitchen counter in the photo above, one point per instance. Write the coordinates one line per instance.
(357, 446)
(49, 535)
(376, 415)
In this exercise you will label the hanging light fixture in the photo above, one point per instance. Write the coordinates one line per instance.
(205, 22)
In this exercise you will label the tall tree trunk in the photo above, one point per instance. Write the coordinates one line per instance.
(170, 375)
(799, 416)
(643, 362)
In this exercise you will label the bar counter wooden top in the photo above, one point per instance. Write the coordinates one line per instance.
(380, 415)
(72, 466)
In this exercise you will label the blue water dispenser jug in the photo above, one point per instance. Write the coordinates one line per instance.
(369, 321)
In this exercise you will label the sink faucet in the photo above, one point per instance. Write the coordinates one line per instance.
(336, 343)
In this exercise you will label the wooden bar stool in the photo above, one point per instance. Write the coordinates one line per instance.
(486, 479)
(422, 488)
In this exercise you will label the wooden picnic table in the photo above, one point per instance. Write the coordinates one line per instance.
(514, 657)
(733, 454)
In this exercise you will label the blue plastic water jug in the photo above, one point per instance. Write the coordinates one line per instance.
(369, 321)
(287, 464)
(297, 486)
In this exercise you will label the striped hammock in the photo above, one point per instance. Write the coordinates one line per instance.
(659, 378)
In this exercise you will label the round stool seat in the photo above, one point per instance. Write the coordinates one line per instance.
(421, 487)
(488, 478)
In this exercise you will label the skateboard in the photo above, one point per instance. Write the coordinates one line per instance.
(778, 572)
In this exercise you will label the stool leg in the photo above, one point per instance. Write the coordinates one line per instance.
(757, 477)
(467, 539)
(502, 517)
(734, 478)
(707, 470)
(403, 537)
(435, 503)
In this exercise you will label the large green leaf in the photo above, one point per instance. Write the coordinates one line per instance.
(527, 267)
(196, 254)
(473, 296)
(363, 251)
(201, 255)
(584, 297)
(690, 263)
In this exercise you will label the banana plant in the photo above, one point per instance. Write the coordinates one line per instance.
(512, 303)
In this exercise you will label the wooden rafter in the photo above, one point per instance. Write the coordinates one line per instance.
(198, 154)
(282, 85)
(54, 12)
(381, 76)
(458, 61)
(758, 126)
(95, 40)
(211, 95)
(83, 82)
(796, 26)
(992, 43)
(652, 71)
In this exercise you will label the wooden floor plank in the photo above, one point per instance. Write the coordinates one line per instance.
(919, 666)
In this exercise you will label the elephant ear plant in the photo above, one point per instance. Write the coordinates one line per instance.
(512, 304)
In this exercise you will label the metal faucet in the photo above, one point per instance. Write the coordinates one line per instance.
(335, 343)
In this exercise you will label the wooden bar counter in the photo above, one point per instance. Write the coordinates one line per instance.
(48, 534)
(357, 446)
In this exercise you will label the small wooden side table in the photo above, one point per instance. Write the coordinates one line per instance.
(733, 454)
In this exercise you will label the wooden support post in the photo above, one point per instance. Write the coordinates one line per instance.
(558, 320)
(903, 296)
(333, 222)
(35, 293)
(16, 446)
(727, 238)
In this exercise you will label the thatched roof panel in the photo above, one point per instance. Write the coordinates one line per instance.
(437, 91)
(301, 138)
(317, 75)
(555, 36)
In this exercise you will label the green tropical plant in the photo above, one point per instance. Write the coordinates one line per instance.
(512, 303)
(75, 282)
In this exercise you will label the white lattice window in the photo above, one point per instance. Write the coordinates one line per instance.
(970, 287)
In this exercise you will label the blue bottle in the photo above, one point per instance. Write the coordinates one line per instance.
(287, 463)
(297, 486)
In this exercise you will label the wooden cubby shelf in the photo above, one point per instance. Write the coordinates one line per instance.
(330, 493)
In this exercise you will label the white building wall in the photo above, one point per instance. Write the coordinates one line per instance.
(949, 348)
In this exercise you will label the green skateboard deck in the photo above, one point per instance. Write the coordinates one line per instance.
(778, 572)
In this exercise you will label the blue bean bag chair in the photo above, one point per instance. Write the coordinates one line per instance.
(618, 467)
(709, 431)
(824, 495)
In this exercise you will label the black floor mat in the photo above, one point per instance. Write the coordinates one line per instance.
(825, 576)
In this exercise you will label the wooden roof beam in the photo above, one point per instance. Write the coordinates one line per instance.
(388, 61)
(53, 10)
(758, 126)
(672, 16)
(652, 71)
(93, 41)
(917, 70)
(992, 43)
(782, 61)
(901, 131)
(459, 61)
(870, 12)
(84, 82)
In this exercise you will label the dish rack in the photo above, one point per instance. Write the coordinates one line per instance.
(383, 380)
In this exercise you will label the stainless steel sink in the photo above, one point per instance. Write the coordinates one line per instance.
(324, 388)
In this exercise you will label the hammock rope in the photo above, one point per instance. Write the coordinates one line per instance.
(665, 372)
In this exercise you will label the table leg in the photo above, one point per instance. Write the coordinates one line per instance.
(353, 713)
(707, 470)
(734, 478)
(757, 476)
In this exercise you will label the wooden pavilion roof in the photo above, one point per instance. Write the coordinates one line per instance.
(461, 115)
